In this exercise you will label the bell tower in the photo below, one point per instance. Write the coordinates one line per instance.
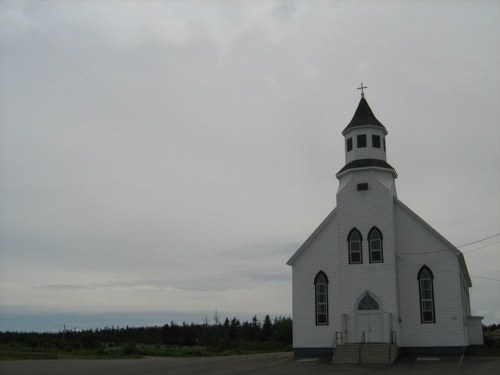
(365, 144)
(365, 200)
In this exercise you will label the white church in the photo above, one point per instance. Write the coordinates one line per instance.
(374, 275)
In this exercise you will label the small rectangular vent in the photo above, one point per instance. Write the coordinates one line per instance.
(363, 186)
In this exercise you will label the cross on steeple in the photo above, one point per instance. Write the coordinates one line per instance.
(361, 88)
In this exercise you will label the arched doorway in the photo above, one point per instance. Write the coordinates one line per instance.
(369, 320)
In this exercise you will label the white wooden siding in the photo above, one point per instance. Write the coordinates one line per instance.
(367, 152)
(320, 255)
(408, 244)
(363, 210)
(418, 246)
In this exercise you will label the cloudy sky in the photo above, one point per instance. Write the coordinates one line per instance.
(174, 155)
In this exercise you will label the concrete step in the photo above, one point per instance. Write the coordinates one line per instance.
(370, 353)
(346, 353)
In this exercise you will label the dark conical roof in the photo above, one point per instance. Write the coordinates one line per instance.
(364, 116)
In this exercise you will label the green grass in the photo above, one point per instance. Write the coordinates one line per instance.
(11, 355)
(203, 351)
(131, 350)
(18, 352)
(173, 351)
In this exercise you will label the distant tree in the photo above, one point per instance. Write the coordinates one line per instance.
(234, 329)
(267, 329)
(255, 328)
(226, 328)
(216, 318)
(282, 330)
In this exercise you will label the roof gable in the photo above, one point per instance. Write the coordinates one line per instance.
(447, 243)
(306, 244)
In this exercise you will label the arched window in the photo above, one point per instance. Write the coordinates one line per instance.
(321, 297)
(426, 288)
(354, 241)
(375, 246)
(368, 303)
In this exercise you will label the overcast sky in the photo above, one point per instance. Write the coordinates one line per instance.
(174, 155)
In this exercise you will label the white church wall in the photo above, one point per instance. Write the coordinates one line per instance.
(320, 255)
(418, 246)
(363, 210)
(475, 330)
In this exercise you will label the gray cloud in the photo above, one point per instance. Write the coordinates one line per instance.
(182, 152)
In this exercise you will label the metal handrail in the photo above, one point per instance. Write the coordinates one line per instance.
(336, 339)
(362, 342)
(393, 337)
(393, 341)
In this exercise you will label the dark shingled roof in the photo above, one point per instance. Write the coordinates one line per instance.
(363, 163)
(364, 116)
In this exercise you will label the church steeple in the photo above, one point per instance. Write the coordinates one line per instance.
(365, 145)
(364, 117)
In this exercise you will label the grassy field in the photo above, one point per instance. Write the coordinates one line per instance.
(128, 350)
(9, 352)
(203, 351)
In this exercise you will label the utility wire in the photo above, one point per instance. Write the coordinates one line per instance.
(454, 272)
(481, 248)
(450, 248)
(481, 240)
(474, 250)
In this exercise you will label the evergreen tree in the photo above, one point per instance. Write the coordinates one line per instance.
(267, 329)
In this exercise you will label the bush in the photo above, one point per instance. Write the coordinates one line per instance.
(130, 348)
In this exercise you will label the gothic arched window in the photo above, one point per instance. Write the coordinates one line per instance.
(321, 298)
(426, 289)
(375, 246)
(354, 241)
(368, 303)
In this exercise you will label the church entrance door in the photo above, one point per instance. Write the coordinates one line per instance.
(368, 320)
(370, 325)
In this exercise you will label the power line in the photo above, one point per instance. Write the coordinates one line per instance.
(484, 277)
(454, 272)
(481, 240)
(481, 248)
(450, 248)
(474, 250)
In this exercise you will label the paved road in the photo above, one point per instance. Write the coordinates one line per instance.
(262, 364)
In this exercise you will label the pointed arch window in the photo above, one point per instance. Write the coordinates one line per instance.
(368, 303)
(375, 246)
(321, 298)
(354, 241)
(426, 291)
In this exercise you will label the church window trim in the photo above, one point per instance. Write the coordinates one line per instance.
(426, 293)
(355, 245)
(321, 298)
(375, 141)
(376, 246)
(361, 140)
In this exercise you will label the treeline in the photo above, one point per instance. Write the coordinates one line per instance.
(491, 327)
(491, 335)
(215, 336)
